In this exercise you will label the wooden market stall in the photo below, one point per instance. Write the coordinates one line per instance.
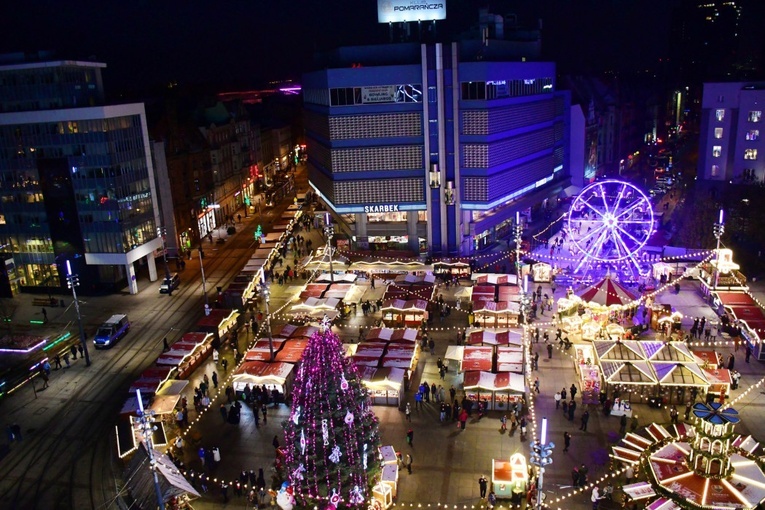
(589, 374)
(385, 385)
(219, 322)
(190, 351)
(477, 358)
(491, 314)
(398, 312)
(277, 375)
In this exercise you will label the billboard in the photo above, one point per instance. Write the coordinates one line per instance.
(391, 11)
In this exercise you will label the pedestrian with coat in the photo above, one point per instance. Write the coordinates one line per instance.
(410, 437)
(566, 441)
(408, 463)
(585, 419)
(483, 484)
(408, 412)
(549, 351)
(623, 424)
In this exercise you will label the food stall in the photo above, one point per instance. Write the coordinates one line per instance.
(541, 272)
(451, 270)
(719, 380)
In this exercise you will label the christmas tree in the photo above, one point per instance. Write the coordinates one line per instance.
(331, 438)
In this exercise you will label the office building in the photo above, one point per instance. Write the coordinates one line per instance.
(433, 148)
(731, 146)
(76, 181)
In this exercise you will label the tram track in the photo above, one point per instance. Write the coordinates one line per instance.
(69, 460)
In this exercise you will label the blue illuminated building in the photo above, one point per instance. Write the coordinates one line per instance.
(432, 148)
(76, 180)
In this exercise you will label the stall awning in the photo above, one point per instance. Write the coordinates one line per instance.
(503, 381)
(679, 374)
(625, 372)
(478, 358)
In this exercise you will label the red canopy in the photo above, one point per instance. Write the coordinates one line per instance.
(608, 292)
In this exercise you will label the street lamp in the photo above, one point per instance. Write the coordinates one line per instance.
(161, 233)
(541, 456)
(72, 281)
(267, 296)
(204, 282)
(718, 230)
(329, 231)
(146, 429)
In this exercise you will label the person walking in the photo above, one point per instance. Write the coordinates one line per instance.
(629, 474)
(410, 437)
(408, 412)
(731, 361)
(215, 379)
(549, 351)
(224, 412)
(623, 424)
(566, 441)
(45, 315)
(557, 400)
(573, 391)
(66, 360)
(482, 485)
(275, 442)
(585, 419)
(57, 361)
(165, 345)
(748, 353)
(634, 423)
(44, 376)
(73, 350)
(595, 498)
(536, 384)
(503, 423)
(571, 409)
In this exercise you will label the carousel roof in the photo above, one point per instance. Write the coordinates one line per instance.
(607, 292)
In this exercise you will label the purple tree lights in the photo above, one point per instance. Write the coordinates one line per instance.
(332, 434)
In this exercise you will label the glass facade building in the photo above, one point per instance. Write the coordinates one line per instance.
(76, 183)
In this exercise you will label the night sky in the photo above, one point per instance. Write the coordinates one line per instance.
(243, 43)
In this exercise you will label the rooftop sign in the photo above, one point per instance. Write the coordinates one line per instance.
(391, 11)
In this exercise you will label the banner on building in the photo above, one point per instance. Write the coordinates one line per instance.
(392, 11)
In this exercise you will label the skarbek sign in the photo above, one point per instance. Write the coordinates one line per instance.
(392, 11)
(380, 208)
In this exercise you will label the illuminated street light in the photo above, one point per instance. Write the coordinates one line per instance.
(541, 456)
(718, 230)
(329, 231)
(267, 297)
(72, 281)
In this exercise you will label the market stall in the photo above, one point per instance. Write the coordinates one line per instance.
(480, 336)
(451, 270)
(589, 374)
(190, 351)
(400, 356)
(497, 391)
(292, 350)
(219, 322)
(509, 479)
(385, 385)
(397, 312)
(510, 359)
(275, 375)
(477, 358)
(608, 292)
(491, 314)
(541, 272)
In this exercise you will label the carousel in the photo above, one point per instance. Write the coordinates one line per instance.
(706, 465)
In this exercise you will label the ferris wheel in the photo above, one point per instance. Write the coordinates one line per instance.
(609, 222)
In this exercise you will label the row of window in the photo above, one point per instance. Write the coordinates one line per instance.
(750, 136)
(753, 116)
(378, 94)
(749, 154)
(498, 89)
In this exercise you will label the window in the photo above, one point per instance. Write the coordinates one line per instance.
(750, 154)
(718, 133)
(720, 114)
(754, 116)
(474, 90)
(715, 170)
(716, 151)
(753, 134)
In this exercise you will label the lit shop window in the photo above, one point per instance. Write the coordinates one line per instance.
(718, 133)
(750, 154)
(754, 116)
(720, 114)
(716, 151)
(753, 134)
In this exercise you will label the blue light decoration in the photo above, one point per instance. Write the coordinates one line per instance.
(609, 223)
(715, 413)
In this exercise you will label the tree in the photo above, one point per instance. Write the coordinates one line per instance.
(331, 437)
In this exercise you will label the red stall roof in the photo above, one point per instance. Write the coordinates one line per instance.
(477, 358)
(292, 350)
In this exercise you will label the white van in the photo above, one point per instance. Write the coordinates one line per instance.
(110, 332)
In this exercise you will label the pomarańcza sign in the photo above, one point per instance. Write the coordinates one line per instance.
(392, 11)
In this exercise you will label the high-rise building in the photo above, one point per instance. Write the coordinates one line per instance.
(732, 143)
(434, 148)
(76, 181)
